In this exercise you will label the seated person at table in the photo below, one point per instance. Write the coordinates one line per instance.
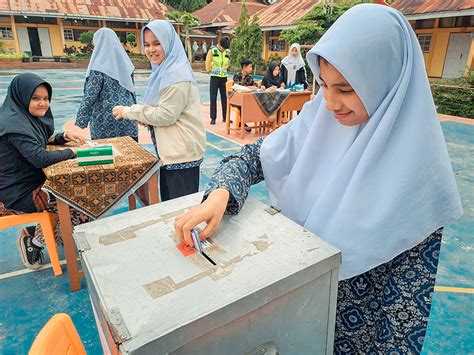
(293, 71)
(26, 127)
(244, 78)
(272, 80)
(108, 83)
(172, 110)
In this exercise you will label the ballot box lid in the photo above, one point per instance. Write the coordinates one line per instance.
(149, 291)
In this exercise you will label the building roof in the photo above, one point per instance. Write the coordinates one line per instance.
(225, 12)
(419, 7)
(117, 9)
(285, 13)
(199, 33)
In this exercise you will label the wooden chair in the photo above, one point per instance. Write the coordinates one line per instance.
(59, 336)
(45, 219)
(230, 109)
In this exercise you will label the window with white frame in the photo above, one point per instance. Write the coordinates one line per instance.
(68, 35)
(425, 41)
(277, 45)
(6, 33)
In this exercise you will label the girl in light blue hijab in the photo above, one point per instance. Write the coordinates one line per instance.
(365, 167)
(172, 110)
(109, 82)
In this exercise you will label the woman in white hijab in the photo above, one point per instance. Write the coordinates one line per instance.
(293, 71)
(109, 82)
(365, 167)
(172, 109)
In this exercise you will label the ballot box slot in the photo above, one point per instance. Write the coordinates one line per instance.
(208, 258)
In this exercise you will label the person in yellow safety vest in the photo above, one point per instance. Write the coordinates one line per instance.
(217, 63)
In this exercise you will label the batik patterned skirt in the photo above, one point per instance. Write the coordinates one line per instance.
(386, 309)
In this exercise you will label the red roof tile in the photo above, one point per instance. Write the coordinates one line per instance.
(285, 12)
(132, 9)
(415, 7)
(224, 11)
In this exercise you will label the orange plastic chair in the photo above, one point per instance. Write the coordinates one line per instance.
(59, 336)
(230, 109)
(45, 219)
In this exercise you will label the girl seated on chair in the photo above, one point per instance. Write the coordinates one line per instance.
(272, 80)
(293, 71)
(26, 128)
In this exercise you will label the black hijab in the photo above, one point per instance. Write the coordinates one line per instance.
(15, 116)
(271, 79)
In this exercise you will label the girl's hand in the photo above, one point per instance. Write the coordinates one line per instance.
(210, 211)
(117, 111)
(74, 150)
(73, 137)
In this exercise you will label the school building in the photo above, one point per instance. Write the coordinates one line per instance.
(445, 30)
(44, 28)
(280, 16)
(221, 17)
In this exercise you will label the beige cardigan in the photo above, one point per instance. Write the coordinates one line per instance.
(179, 130)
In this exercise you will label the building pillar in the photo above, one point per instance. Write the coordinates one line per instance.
(15, 34)
(61, 29)
(138, 36)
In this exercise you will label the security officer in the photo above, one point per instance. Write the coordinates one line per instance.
(217, 63)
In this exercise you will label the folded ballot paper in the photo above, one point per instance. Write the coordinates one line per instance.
(95, 154)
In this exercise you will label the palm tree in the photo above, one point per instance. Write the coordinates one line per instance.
(188, 21)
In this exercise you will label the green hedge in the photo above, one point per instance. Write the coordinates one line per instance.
(455, 97)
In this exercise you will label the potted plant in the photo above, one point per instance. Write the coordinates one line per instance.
(25, 58)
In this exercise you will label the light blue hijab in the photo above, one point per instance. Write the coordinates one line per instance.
(110, 58)
(377, 189)
(174, 69)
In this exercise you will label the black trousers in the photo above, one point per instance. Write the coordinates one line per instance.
(218, 84)
(178, 183)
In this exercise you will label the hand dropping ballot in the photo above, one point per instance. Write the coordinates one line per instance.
(93, 153)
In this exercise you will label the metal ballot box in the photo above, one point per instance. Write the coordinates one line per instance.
(272, 289)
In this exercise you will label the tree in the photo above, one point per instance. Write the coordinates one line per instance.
(188, 21)
(86, 38)
(255, 43)
(312, 26)
(239, 45)
(248, 40)
(132, 39)
(186, 5)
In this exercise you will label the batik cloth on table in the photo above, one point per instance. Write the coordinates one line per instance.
(271, 101)
(95, 189)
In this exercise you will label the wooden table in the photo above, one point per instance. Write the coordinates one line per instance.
(294, 103)
(65, 178)
(250, 112)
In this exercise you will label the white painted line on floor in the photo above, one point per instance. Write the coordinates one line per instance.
(27, 271)
(227, 139)
(221, 149)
